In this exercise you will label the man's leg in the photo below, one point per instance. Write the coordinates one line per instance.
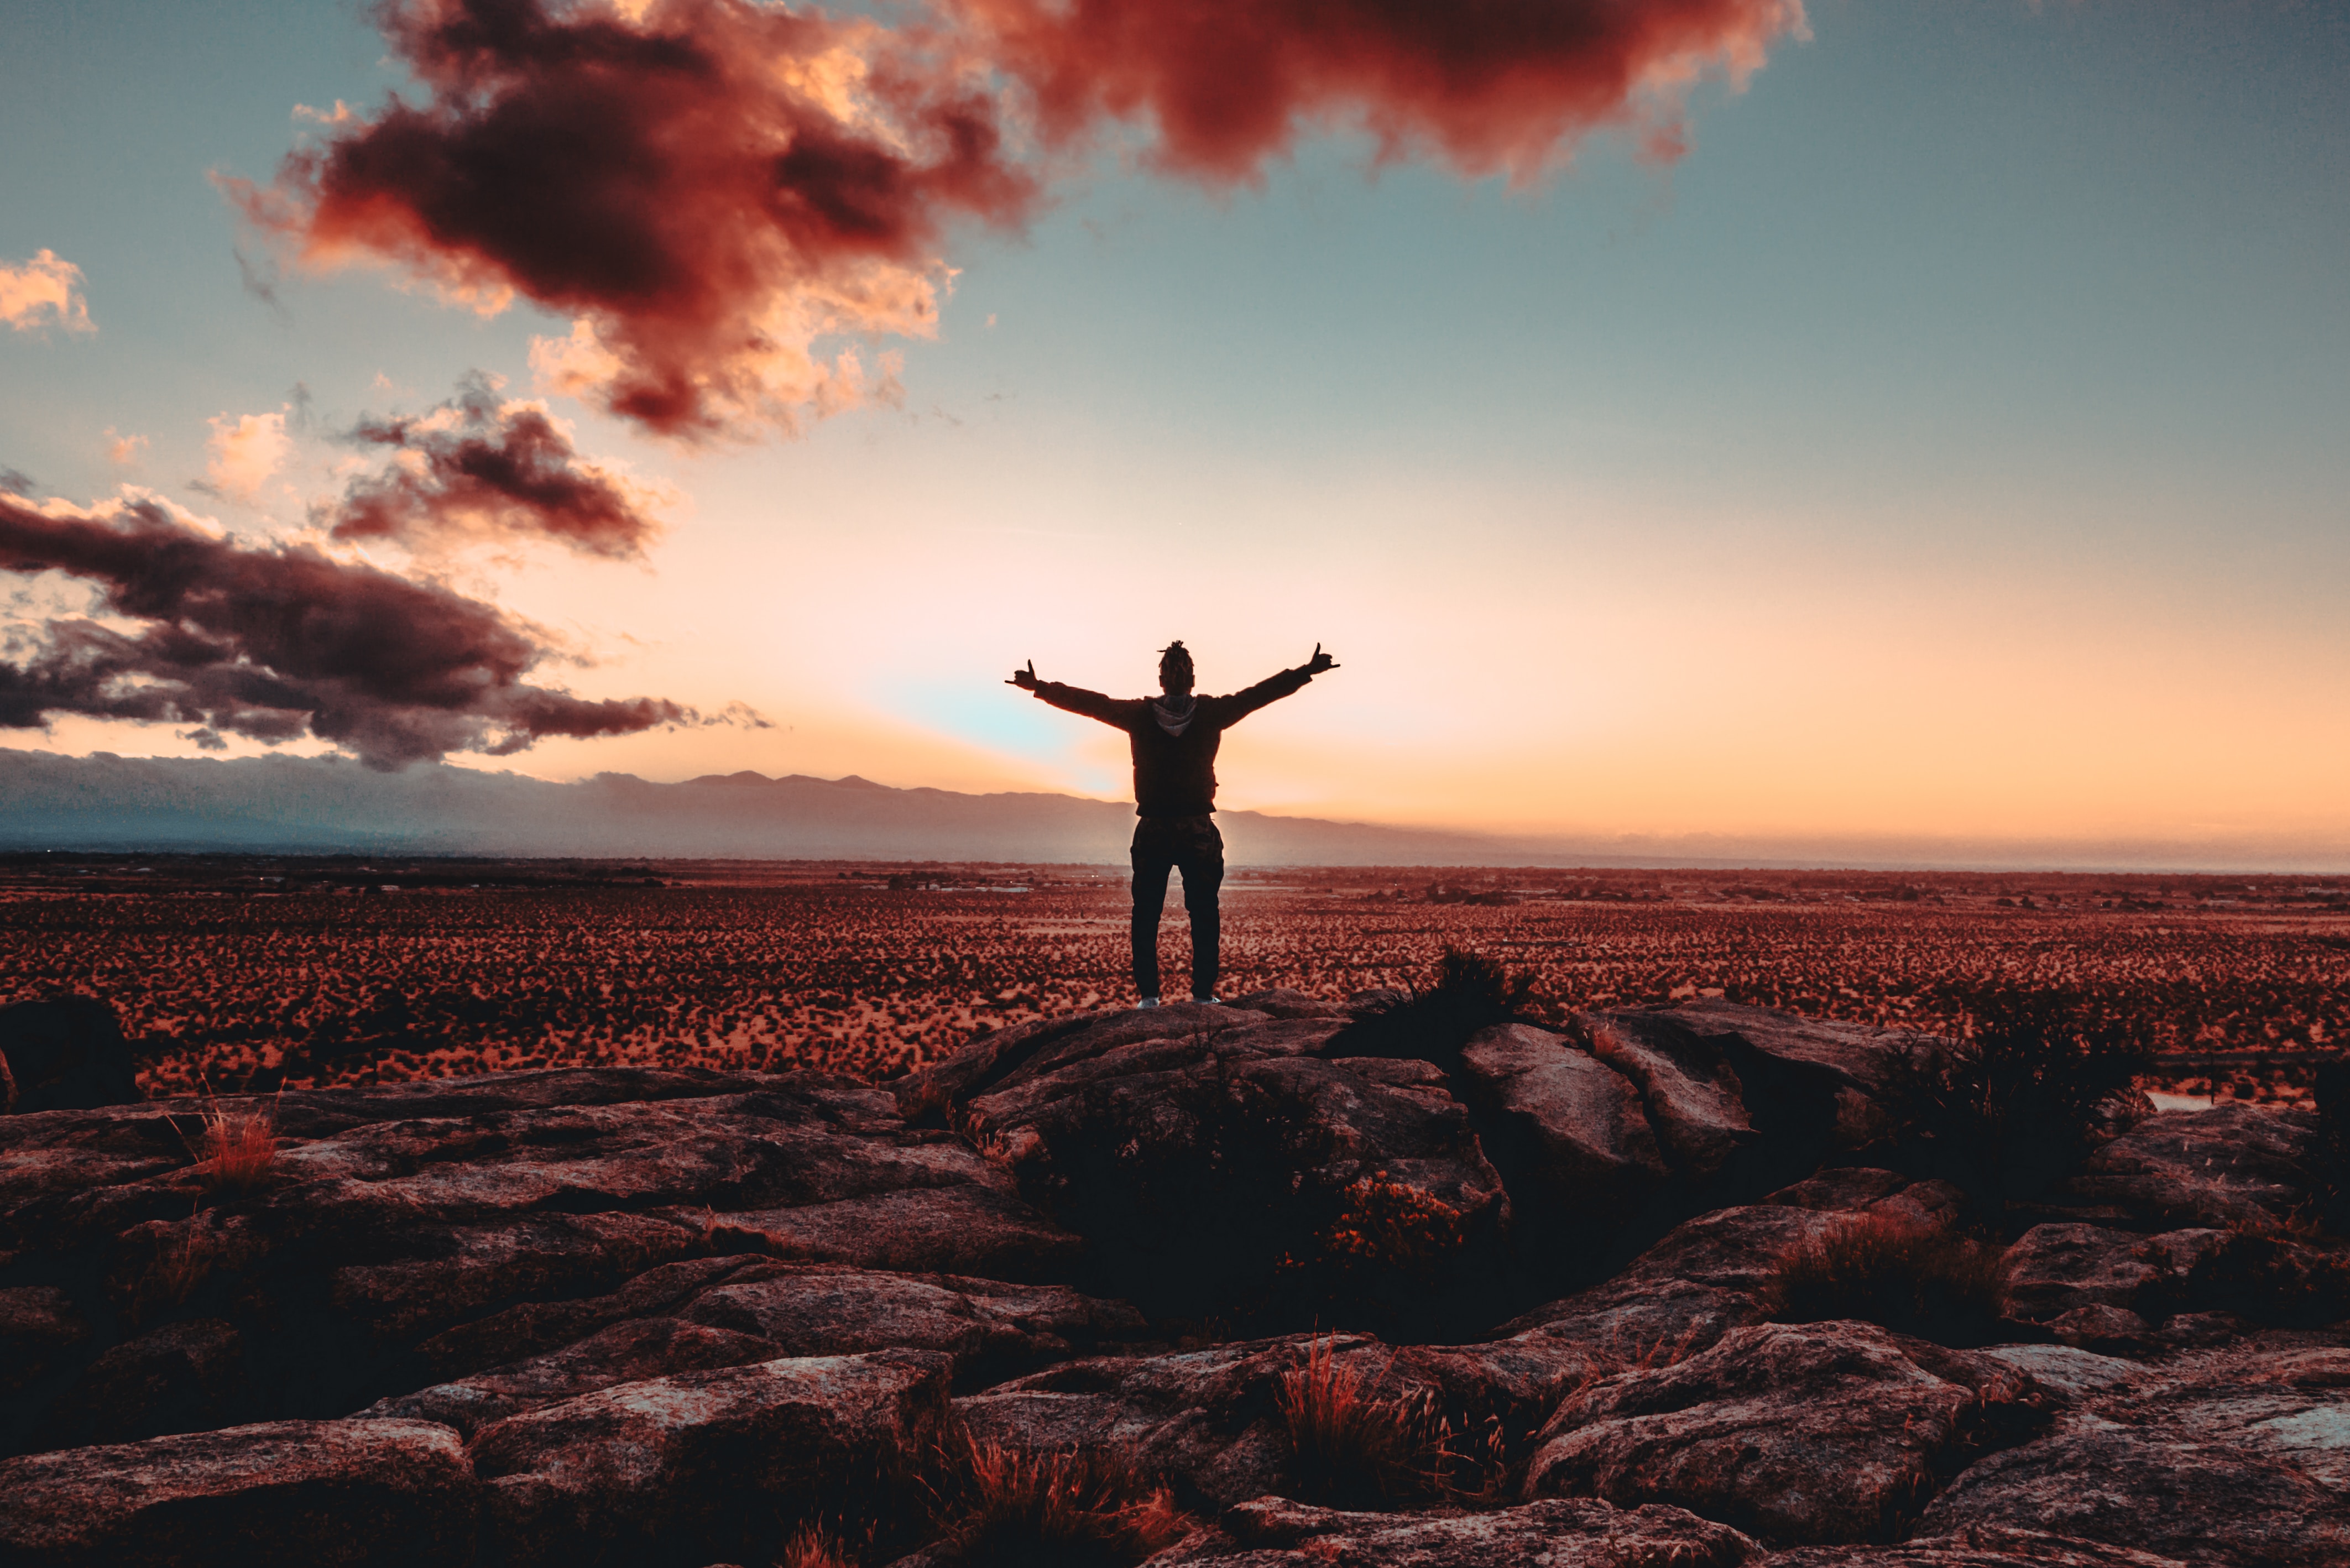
(1204, 875)
(1150, 867)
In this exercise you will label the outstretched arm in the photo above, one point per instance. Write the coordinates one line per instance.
(1071, 698)
(1240, 704)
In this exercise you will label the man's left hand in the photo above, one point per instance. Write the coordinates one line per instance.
(1320, 661)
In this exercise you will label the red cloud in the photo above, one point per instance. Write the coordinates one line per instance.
(1489, 85)
(475, 466)
(270, 643)
(709, 189)
(713, 188)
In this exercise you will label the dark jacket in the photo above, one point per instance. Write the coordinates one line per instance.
(1174, 776)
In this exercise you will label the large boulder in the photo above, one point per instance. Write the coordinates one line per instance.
(65, 1053)
(1569, 1134)
(1826, 1432)
(768, 1311)
(1976, 1546)
(705, 1465)
(1692, 1092)
(2240, 1458)
(344, 1492)
(1714, 1273)
(1559, 1532)
(1216, 1166)
(2196, 1502)
(2234, 1165)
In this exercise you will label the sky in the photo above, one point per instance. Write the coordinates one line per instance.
(1725, 423)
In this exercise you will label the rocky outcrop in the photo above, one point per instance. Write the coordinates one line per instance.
(359, 1493)
(409, 1237)
(1798, 1434)
(625, 1315)
(1205, 1151)
(68, 1054)
(709, 1459)
(1558, 1532)
(2234, 1165)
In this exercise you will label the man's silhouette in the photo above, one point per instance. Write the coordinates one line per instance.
(1174, 738)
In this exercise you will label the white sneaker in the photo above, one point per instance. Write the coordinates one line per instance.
(1208, 1001)
(1148, 1002)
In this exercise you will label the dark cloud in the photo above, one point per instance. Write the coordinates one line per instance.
(1490, 85)
(275, 643)
(14, 482)
(712, 188)
(478, 468)
(709, 189)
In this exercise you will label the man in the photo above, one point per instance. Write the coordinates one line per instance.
(1174, 738)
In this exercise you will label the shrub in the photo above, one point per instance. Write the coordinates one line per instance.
(1349, 1447)
(813, 1546)
(1913, 1278)
(1352, 1448)
(1006, 1507)
(1470, 992)
(2005, 1112)
(235, 1148)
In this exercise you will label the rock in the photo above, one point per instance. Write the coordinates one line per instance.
(1798, 1434)
(1862, 1058)
(1209, 1421)
(2067, 1370)
(992, 1330)
(723, 1461)
(1206, 1162)
(1691, 1092)
(2152, 1492)
(531, 1328)
(1711, 1274)
(381, 1231)
(2289, 1404)
(2109, 1330)
(1282, 1002)
(1978, 1546)
(758, 1311)
(1576, 1532)
(634, 1351)
(36, 1324)
(65, 1053)
(442, 1275)
(972, 1229)
(2055, 1269)
(181, 1377)
(1568, 1131)
(345, 1492)
(2234, 1165)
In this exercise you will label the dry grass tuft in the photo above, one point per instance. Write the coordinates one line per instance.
(235, 1147)
(1885, 1270)
(1354, 1448)
(1006, 1507)
(813, 1546)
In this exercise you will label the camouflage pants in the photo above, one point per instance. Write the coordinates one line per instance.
(1192, 844)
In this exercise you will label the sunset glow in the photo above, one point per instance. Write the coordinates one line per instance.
(1877, 432)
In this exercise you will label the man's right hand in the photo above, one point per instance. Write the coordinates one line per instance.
(1024, 678)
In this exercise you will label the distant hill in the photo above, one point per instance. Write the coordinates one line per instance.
(326, 805)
